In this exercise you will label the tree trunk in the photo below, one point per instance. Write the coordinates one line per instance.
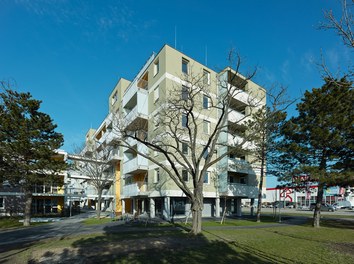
(259, 205)
(317, 212)
(98, 207)
(196, 218)
(28, 205)
(197, 208)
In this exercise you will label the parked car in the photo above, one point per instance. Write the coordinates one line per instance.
(343, 205)
(324, 207)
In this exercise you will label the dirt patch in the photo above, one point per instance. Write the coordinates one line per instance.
(344, 248)
(112, 250)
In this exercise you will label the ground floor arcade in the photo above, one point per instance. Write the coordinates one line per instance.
(170, 207)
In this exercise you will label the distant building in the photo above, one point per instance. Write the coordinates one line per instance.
(48, 195)
(308, 195)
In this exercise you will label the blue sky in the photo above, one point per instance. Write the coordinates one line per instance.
(70, 54)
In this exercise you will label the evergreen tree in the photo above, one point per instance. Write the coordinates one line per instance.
(27, 144)
(319, 141)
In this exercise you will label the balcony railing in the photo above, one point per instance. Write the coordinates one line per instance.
(135, 164)
(244, 190)
(236, 117)
(239, 165)
(114, 155)
(135, 189)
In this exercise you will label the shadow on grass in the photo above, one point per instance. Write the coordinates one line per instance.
(153, 246)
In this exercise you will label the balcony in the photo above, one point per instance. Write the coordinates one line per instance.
(236, 117)
(242, 190)
(239, 165)
(135, 165)
(135, 189)
(139, 114)
(114, 155)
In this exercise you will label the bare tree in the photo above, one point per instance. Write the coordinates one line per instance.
(96, 168)
(343, 27)
(188, 126)
(264, 126)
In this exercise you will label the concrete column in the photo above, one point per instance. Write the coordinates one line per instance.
(143, 206)
(166, 208)
(152, 208)
(123, 206)
(252, 206)
(238, 207)
(217, 207)
(133, 206)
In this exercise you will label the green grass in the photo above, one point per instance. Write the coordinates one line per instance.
(96, 221)
(10, 222)
(13, 222)
(332, 243)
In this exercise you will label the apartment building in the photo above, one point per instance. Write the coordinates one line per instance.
(140, 186)
(48, 195)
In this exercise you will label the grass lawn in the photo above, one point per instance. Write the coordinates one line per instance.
(13, 222)
(332, 243)
(9, 222)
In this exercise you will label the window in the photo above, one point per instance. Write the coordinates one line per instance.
(114, 98)
(205, 101)
(184, 92)
(2, 202)
(184, 120)
(206, 77)
(156, 94)
(157, 120)
(156, 67)
(185, 175)
(185, 66)
(156, 175)
(206, 126)
(185, 148)
(243, 180)
(205, 153)
(206, 178)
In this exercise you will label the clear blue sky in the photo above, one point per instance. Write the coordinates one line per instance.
(70, 54)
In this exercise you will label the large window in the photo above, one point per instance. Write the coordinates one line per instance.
(206, 77)
(205, 153)
(2, 202)
(184, 120)
(185, 148)
(114, 98)
(157, 120)
(156, 93)
(185, 175)
(205, 101)
(184, 92)
(206, 126)
(185, 65)
(156, 67)
(156, 175)
(206, 178)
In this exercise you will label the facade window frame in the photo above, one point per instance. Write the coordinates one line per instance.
(157, 175)
(185, 66)
(184, 120)
(185, 175)
(206, 177)
(156, 67)
(206, 127)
